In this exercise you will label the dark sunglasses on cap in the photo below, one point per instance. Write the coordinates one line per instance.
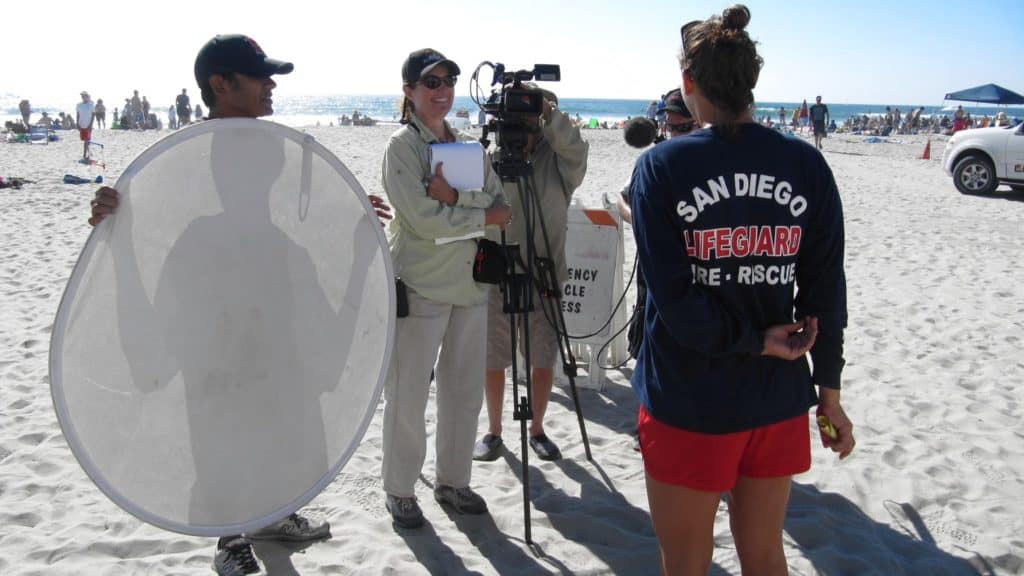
(434, 82)
(682, 127)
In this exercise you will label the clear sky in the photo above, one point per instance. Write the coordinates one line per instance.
(865, 51)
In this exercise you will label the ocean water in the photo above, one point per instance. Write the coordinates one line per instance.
(327, 109)
(308, 110)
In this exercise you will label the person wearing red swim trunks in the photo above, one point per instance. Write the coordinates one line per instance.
(739, 232)
(84, 116)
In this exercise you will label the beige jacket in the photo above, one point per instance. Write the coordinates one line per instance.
(559, 165)
(440, 272)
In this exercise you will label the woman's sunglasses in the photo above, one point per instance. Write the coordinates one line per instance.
(434, 82)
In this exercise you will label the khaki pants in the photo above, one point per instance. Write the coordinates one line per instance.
(461, 334)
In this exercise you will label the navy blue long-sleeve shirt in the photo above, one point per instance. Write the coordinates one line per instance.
(734, 236)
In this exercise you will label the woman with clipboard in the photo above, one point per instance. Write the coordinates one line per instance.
(447, 311)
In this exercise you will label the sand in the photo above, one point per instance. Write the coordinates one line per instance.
(933, 385)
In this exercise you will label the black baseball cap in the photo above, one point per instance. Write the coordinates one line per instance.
(236, 53)
(423, 61)
(673, 102)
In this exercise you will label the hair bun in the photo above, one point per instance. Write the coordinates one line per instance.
(736, 17)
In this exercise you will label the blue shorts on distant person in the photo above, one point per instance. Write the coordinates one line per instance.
(713, 462)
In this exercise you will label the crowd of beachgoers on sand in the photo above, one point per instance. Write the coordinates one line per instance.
(135, 114)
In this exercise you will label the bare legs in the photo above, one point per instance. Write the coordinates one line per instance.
(495, 397)
(542, 379)
(684, 519)
(757, 511)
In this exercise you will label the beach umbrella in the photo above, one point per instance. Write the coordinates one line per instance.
(987, 93)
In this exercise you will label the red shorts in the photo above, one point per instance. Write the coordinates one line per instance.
(713, 462)
(85, 134)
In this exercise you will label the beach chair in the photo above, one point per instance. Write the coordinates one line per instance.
(39, 134)
(95, 155)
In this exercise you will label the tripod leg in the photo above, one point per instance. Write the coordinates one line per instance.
(553, 311)
(547, 280)
(569, 364)
(524, 405)
(517, 305)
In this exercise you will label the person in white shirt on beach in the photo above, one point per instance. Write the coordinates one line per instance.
(84, 117)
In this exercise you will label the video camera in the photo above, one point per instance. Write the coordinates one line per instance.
(514, 109)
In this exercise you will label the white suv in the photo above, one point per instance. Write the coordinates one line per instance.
(980, 159)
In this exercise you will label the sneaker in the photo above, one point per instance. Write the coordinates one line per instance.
(464, 500)
(294, 528)
(404, 511)
(235, 558)
(488, 448)
(545, 448)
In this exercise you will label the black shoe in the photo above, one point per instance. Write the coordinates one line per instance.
(464, 500)
(488, 448)
(545, 448)
(234, 558)
(404, 511)
(293, 528)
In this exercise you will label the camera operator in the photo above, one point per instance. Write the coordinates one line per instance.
(558, 155)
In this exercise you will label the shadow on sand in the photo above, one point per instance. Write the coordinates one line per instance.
(1001, 193)
(831, 531)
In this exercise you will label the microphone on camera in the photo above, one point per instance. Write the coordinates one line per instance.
(640, 132)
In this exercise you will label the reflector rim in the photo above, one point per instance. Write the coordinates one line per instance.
(103, 230)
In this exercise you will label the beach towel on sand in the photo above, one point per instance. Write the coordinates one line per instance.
(12, 182)
(72, 179)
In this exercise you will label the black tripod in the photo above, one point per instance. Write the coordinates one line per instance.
(517, 289)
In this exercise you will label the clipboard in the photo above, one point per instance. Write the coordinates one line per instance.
(463, 164)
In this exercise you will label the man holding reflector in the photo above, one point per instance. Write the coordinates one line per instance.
(234, 76)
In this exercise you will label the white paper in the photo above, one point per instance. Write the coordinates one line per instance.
(463, 164)
(450, 239)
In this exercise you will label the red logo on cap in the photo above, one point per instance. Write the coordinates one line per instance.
(256, 47)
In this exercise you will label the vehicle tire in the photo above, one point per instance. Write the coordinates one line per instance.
(974, 174)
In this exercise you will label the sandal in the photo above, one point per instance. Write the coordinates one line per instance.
(545, 448)
(488, 448)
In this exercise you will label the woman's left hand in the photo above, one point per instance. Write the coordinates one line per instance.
(438, 188)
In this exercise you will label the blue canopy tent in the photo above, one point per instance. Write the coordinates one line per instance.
(988, 93)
